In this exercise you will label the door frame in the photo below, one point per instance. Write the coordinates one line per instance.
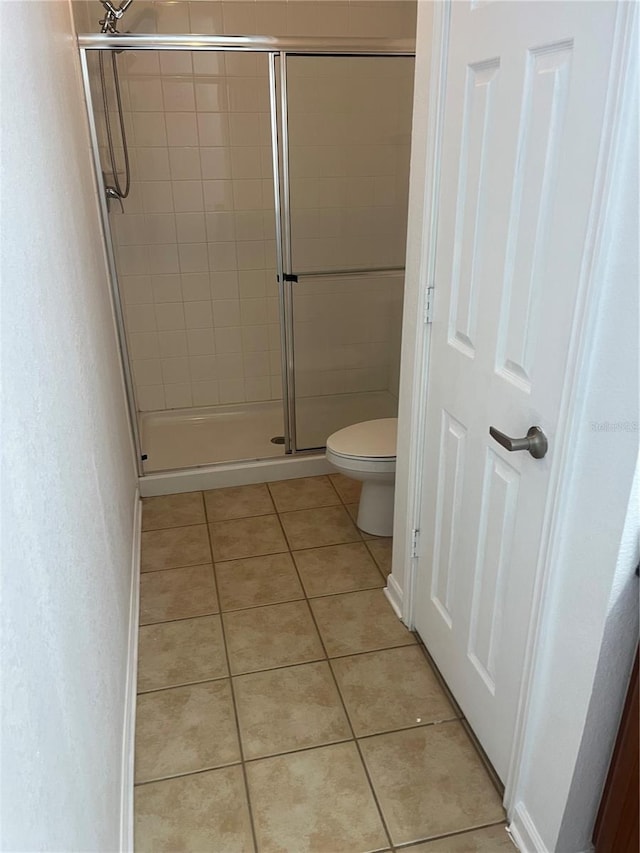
(430, 86)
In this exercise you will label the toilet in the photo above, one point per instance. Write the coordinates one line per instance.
(367, 452)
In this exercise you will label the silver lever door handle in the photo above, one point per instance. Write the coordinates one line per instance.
(535, 441)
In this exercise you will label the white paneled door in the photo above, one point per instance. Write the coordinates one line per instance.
(527, 103)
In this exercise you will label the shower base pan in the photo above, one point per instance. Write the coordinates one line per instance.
(218, 446)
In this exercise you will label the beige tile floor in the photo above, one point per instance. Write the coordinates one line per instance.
(282, 706)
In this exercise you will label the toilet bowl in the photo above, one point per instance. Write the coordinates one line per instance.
(367, 452)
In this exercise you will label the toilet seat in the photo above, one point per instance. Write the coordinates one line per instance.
(374, 441)
(367, 452)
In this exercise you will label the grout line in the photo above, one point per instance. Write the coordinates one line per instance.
(457, 834)
(443, 684)
(355, 741)
(298, 750)
(495, 779)
(187, 773)
(172, 568)
(179, 619)
(235, 711)
(182, 684)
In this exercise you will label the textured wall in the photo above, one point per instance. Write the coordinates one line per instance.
(68, 478)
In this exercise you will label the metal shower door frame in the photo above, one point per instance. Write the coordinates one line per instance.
(278, 50)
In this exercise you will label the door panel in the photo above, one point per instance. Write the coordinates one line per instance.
(524, 107)
(349, 128)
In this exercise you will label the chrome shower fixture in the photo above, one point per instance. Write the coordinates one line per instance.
(112, 15)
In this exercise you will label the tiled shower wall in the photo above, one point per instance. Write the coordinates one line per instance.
(195, 246)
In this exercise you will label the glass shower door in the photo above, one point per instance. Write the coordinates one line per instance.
(349, 126)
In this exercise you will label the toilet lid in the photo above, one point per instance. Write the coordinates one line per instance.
(370, 439)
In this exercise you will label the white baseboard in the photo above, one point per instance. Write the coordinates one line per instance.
(129, 729)
(234, 474)
(523, 832)
(393, 592)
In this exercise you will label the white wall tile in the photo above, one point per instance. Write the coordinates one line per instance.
(257, 389)
(222, 256)
(150, 398)
(255, 364)
(226, 312)
(156, 196)
(247, 194)
(161, 229)
(198, 315)
(148, 371)
(255, 338)
(145, 94)
(136, 289)
(190, 228)
(187, 196)
(213, 129)
(211, 95)
(170, 316)
(196, 287)
(251, 255)
(246, 162)
(149, 129)
(249, 224)
(205, 18)
(231, 390)
(193, 257)
(172, 17)
(238, 17)
(221, 226)
(129, 229)
(178, 396)
(229, 366)
(218, 195)
(202, 368)
(201, 342)
(228, 339)
(166, 288)
(208, 63)
(178, 95)
(163, 259)
(245, 64)
(175, 62)
(276, 387)
(142, 62)
(215, 163)
(143, 345)
(205, 393)
(182, 129)
(132, 260)
(244, 128)
(175, 370)
(253, 312)
(141, 318)
(172, 344)
(252, 284)
(152, 164)
(224, 285)
(184, 163)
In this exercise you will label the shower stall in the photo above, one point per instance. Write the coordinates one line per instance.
(258, 259)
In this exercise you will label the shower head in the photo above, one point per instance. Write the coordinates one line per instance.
(113, 14)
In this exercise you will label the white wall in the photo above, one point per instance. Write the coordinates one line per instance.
(69, 484)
